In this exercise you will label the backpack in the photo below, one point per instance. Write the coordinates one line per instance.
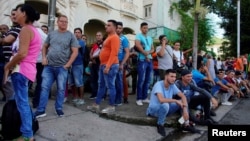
(11, 121)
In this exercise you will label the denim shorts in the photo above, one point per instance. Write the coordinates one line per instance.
(76, 75)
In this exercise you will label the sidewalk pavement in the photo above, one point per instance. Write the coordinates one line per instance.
(71, 126)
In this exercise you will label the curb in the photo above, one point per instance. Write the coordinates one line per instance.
(150, 121)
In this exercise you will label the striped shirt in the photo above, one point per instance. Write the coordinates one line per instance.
(7, 49)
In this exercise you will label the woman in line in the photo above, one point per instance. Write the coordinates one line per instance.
(22, 66)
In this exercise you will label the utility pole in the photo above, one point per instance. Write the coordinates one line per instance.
(195, 36)
(51, 15)
(238, 28)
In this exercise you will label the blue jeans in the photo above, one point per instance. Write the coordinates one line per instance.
(162, 111)
(107, 81)
(76, 75)
(49, 75)
(144, 71)
(119, 87)
(20, 85)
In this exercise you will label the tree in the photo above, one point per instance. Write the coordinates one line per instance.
(190, 27)
(227, 10)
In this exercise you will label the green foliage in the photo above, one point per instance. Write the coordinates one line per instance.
(227, 10)
(186, 29)
(185, 5)
(225, 48)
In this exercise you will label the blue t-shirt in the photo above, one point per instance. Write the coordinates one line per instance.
(186, 90)
(197, 76)
(217, 87)
(160, 88)
(80, 56)
(146, 43)
(123, 44)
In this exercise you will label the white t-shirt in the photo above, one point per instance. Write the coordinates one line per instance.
(43, 37)
(179, 55)
(219, 64)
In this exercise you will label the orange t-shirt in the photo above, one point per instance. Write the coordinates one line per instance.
(239, 64)
(109, 51)
(155, 61)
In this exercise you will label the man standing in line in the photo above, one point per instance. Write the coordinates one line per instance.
(95, 64)
(39, 68)
(45, 29)
(77, 71)
(164, 56)
(108, 69)
(121, 83)
(3, 29)
(58, 54)
(6, 42)
(144, 45)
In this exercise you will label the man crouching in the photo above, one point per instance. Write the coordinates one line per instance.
(162, 103)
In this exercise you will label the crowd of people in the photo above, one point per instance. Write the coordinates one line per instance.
(162, 76)
(194, 92)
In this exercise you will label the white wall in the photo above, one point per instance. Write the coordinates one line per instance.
(160, 14)
(90, 11)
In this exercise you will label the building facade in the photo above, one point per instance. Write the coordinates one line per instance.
(156, 13)
(91, 15)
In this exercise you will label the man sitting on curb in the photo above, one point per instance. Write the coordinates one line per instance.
(230, 78)
(202, 78)
(162, 103)
(224, 87)
(196, 96)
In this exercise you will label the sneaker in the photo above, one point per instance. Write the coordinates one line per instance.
(74, 100)
(120, 104)
(227, 103)
(23, 139)
(92, 97)
(161, 130)
(145, 100)
(94, 108)
(80, 102)
(139, 102)
(109, 109)
(190, 129)
(39, 114)
(59, 113)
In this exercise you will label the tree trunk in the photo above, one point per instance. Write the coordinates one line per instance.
(195, 41)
